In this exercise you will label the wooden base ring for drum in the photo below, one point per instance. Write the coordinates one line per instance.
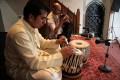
(71, 77)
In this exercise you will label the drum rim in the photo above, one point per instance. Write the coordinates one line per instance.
(71, 43)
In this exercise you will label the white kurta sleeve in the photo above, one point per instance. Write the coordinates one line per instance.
(36, 59)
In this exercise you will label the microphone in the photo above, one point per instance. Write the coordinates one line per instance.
(102, 41)
(85, 28)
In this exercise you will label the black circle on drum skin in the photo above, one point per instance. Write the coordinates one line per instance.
(78, 43)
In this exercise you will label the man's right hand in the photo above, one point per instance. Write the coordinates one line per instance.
(68, 50)
(61, 40)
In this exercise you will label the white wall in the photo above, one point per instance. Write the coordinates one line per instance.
(17, 5)
(8, 15)
(114, 29)
(116, 25)
(10, 10)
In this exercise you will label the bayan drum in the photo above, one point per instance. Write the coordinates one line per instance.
(83, 46)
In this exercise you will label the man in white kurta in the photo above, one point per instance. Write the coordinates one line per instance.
(28, 55)
(26, 47)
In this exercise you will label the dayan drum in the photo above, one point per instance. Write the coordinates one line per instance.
(72, 65)
(83, 46)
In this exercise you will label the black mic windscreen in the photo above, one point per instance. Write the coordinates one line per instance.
(97, 41)
(84, 28)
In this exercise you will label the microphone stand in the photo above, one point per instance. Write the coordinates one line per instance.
(103, 67)
(88, 35)
(112, 29)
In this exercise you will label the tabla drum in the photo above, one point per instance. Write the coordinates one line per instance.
(72, 65)
(83, 46)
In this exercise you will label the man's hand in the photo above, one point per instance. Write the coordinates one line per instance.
(61, 40)
(68, 50)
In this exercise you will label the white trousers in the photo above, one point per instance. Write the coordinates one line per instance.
(37, 75)
(45, 75)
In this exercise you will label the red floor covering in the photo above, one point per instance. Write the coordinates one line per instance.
(90, 70)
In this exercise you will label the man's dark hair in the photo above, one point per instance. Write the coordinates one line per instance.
(34, 7)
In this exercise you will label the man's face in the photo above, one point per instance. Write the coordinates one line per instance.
(40, 20)
(57, 11)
